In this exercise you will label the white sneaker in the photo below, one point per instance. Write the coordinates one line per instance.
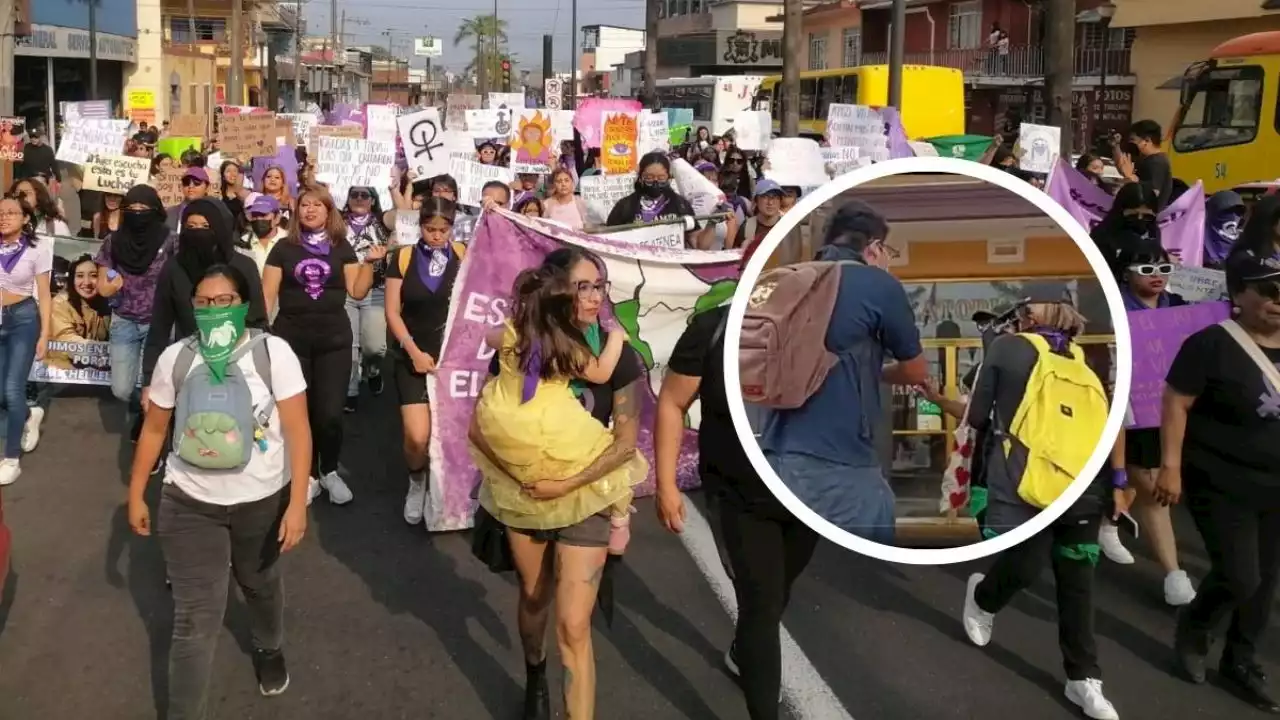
(1177, 589)
(10, 471)
(978, 623)
(31, 431)
(1087, 695)
(339, 493)
(415, 501)
(1109, 539)
(313, 490)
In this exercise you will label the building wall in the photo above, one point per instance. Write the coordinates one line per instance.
(745, 16)
(832, 25)
(196, 78)
(118, 17)
(149, 72)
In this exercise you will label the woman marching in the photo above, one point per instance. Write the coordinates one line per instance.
(562, 205)
(366, 229)
(307, 280)
(419, 284)
(231, 503)
(25, 309)
(560, 549)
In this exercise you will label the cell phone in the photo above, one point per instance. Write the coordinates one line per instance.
(1126, 523)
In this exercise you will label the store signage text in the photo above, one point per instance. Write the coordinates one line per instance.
(61, 42)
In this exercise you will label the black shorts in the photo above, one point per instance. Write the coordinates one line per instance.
(590, 533)
(411, 385)
(1142, 448)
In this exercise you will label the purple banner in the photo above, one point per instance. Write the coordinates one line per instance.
(1181, 224)
(899, 147)
(1157, 337)
(286, 159)
(654, 293)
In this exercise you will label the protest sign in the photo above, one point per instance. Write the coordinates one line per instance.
(701, 193)
(796, 162)
(168, 185)
(380, 123)
(654, 292)
(142, 106)
(421, 135)
(303, 123)
(1198, 284)
(562, 124)
(752, 129)
(188, 125)
(74, 112)
(285, 160)
(457, 106)
(679, 125)
(92, 137)
(1038, 146)
(115, 173)
(839, 160)
(1157, 336)
(344, 163)
(618, 148)
(471, 177)
(284, 133)
(858, 126)
(510, 101)
(533, 145)
(407, 231)
(74, 363)
(247, 135)
(489, 124)
(350, 130)
(11, 132)
(590, 114)
(601, 192)
(652, 134)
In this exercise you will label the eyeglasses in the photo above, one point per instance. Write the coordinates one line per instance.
(888, 249)
(359, 195)
(734, 161)
(1147, 270)
(10, 213)
(585, 289)
(217, 301)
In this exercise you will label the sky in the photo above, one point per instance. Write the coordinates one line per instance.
(527, 21)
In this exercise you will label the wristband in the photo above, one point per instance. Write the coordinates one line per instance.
(1119, 479)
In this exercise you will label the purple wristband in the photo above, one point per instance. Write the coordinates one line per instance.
(1119, 478)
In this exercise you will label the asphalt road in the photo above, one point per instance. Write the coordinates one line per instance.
(386, 621)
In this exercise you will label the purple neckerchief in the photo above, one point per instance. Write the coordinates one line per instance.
(431, 272)
(532, 374)
(359, 222)
(649, 211)
(11, 254)
(1058, 340)
(1132, 302)
(316, 242)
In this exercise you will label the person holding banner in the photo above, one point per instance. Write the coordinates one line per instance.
(1220, 443)
(654, 198)
(25, 309)
(366, 228)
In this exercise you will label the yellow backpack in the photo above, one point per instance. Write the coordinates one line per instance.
(1059, 421)
(406, 252)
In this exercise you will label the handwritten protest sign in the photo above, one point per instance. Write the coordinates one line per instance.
(839, 160)
(344, 163)
(1196, 284)
(472, 176)
(533, 145)
(618, 149)
(858, 126)
(115, 173)
(302, 126)
(511, 101)
(652, 133)
(601, 192)
(561, 124)
(92, 137)
(380, 123)
(752, 128)
(591, 111)
(1038, 145)
(11, 132)
(248, 135)
(169, 185)
(407, 231)
(422, 136)
(457, 106)
(348, 130)
(188, 125)
(491, 124)
(1157, 337)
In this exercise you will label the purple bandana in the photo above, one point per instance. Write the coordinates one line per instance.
(432, 262)
(651, 209)
(532, 374)
(316, 242)
(10, 254)
(359, 222)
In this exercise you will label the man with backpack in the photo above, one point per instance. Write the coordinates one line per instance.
(814, 341)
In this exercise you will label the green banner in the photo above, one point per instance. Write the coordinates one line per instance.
(174, 147)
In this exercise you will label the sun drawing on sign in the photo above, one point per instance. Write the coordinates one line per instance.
(533, 144)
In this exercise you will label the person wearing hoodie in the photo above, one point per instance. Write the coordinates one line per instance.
(1131, 221)
(1259, 239)
(129, 265)
(1223, 220)
(207, 239)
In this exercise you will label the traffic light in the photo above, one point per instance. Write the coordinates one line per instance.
(506, 76)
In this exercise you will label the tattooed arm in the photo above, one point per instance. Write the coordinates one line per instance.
(626, 431)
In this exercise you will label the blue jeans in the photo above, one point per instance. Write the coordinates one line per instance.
(19, 331)
(855, 499)
(368, 334)
(127, 340)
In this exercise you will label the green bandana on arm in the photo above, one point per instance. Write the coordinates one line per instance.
(592, 333)
(219, 331)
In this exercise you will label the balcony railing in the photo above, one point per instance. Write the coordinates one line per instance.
(1025, 62)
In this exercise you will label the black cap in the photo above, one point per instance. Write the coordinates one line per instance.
(1246, 267)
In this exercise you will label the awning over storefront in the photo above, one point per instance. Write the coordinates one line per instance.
(927, 199)
(62, 42)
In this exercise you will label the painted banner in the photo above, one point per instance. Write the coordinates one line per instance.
(654, 292)
(533, 143)
(1157, 337)
(618, 152)
(588, 117)
(11, 132)
(1181, 223)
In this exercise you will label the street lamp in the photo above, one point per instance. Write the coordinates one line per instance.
(1101, 16)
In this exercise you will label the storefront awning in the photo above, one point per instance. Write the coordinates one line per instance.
(925, 200)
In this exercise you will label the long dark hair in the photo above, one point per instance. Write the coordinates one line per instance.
(28, 218)
(437, 207)
(46, 208)
(97, 303)
(229, 272)
(222, 177)
(1113, 234)
(1259, 234)
(543, 314)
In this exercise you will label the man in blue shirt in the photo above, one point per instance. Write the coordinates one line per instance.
(825, 450)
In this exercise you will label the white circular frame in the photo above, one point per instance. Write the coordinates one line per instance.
(1119, 321)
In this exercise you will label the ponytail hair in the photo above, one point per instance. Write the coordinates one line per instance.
(548, 343)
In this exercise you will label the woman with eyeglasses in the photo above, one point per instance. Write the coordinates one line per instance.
(220, 520)
(654, 199)
(735, 180)
(25, 310)
(367, 228)
(487, 153)
(307, 281)
(47, 218)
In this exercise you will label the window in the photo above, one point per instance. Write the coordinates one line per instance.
(683, 6)
(964, 25)
(207, 30)
(1092, 34)
(851, 47)
(809, 100)
(671, 7)
(696, 7)
(1223, 110)
(590, 39)
(817, 52)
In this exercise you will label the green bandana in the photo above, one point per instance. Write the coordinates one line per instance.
(592, 333)
(219, 330)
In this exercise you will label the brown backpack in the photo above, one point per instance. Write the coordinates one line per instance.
(782, 356)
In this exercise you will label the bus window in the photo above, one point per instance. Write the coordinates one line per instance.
(808, 100)
(1223, 110)
(848, 93)
(828, 92)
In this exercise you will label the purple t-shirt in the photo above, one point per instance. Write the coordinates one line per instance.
(133, 302)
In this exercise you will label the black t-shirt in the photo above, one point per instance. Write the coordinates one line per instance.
(1233, 427)
(312, 284)
(627, 211)
(598, 399)
(1156, 171)
(425, 313)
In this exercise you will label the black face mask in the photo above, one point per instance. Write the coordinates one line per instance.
(200, 240)
(261, 228)
(652, 189)
(1140, 225)
(137, 221)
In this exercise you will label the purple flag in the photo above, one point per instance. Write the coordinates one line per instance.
(654, 293)
(1157, 336)
(899, 147)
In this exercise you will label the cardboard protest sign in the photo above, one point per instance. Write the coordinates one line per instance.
(188, 125)
(169, 185)
(618, 149)
(285, 136)
(457, 106)
(248, 135)
(533, 145)
(115, 173)
(601, 192)
(349, 130)
(92, 137)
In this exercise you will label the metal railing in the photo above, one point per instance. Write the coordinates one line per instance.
(1021, 62)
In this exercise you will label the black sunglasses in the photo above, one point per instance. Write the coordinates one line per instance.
(1268, 289)
(359, 195)
(189, 181)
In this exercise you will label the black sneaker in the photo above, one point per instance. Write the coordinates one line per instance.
(351, 404)
(135, 430)
(537, 698)
(376, 383)
(1249, 683)
(1190, 652)
(273, 677)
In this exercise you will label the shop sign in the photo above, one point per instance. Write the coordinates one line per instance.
(60, 42)
(745, 47)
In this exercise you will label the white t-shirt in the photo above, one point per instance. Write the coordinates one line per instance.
(266, 472)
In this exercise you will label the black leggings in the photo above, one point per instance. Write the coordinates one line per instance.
(324, 351)
(767, 554)
(1071, 548)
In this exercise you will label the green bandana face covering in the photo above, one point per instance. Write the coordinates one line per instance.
(220, 330)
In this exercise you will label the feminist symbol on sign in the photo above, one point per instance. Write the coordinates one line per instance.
(422, 135)
(503, 126)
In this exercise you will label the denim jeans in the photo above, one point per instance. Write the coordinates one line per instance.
(19, 331)
(126, 342)
(368, 334)
(855, 499)
(199, 540)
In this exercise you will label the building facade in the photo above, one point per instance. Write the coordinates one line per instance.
(716, 37)
(604, 48)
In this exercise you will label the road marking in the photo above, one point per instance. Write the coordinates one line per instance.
(804, 691)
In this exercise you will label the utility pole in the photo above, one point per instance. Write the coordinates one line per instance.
(333, 52)
(897, 41)
(235, 74)
(93, 49)
(573, 56)
(8, 24)
(650, 51)
(792, 47)
(297, 58)
(1060, 68)
(494, 62)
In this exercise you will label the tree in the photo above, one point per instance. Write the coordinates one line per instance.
(487, 35)
(792, 47)
(650, 52)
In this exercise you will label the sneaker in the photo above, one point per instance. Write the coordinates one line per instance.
(313, 490)
(10, 471)
(415, 501)
(351, 405)
(339, 493)
(1109, 539)
(31, 431)
(376, 383)
(1087, 695)
(1190, 651)
(1177, 589)
(273, 677)
(731, 663)
(978, 623)
(1249, 683)
(155, 469)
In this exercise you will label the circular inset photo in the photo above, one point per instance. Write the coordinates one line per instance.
(926, 350)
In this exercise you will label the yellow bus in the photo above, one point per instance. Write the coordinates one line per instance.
(932, 97)
(1226, 131)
